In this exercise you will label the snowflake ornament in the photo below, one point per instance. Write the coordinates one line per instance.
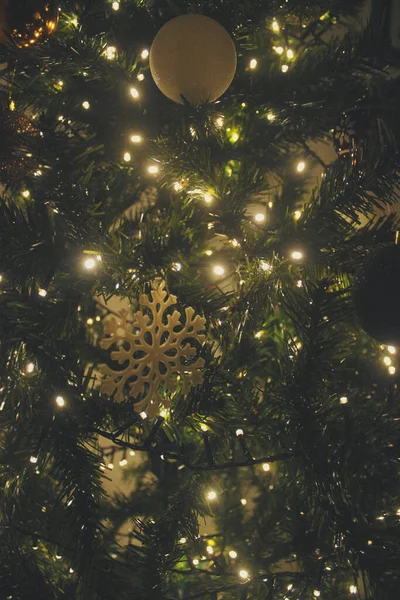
(153, 350)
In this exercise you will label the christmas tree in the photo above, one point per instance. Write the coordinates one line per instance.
(192, 406)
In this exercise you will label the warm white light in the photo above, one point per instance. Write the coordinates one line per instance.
(297, 214)
(131, 453)
(260, 217)
(127, 157)
(299, 283)
(26, 193)
(289, 53)
(178, 186)
(253, 63)
(42, 292)
(234, 243)
(266, 467)
(387, 360)
(203, 427)
(343, 400)
(145, 54)
(60, 401)
(353, 589)
(275, 25)
(211, 495)
(140, 77)
(143, 414)
(243, 501)
(265, 266)
(153, 169)
(86, 105)
(176, 266)
(208, 252)
(233, 554)
(285, 68)
(134, 92)
(90, 321)
(115, 5)
(182, 540)
(90, 263)
(392, 370)
(136, 139)
(207, 198)
(218, 270)
(123, 462)
(110, 466)
(220, 121)
(296, 255)
(210, 550)
(317, 593)
(33, 459)
(279, 50)
(243, 574)
(71, 570)
(234, 137)
(258, 335)
(30, 367)
(271, 117)
(290, 587)
(196, 561)
(301, 166)
(391, 349)
(111, 52)
(239, 432)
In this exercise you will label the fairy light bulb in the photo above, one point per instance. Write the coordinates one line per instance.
(387, 360)
(234, 137)
(243, 574)
(317, 593)
(260, 217)
(210, 550)
(115, 5)
(297, 214)
(266, 467)
(239, 432)
(207, 198)
(203, 427)
(220, 121)
(344, 400)
(123, 462)
(271, 117)
(143, 414)
(285, 68)
(195, 561)
(392, 370)
(140, 77)
(86, 105)
(145, 54)
(300, 166)
(275, 26)
(218, 270)
(33, 459)
(90, 263)
(134, 93)
(26, 193)
(136, 139)
(211, 495)
(279, 49)
(243, 501)
(42, 293)
(391, 349)
(290, 53)
(253, 63)
(297, 255)
(353, 589)
(110, 52)
(153, 169)
(110, 466)
(127, 157)
(233, 554)
(30, 367)
(60, 401)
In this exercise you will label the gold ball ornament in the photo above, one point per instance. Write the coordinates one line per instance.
(27, 22)
(193, 58)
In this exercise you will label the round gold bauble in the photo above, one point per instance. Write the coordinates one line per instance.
(193, 59)
(27, 22)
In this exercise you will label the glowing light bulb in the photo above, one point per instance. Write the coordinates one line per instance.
(266, 467)
(317, 593)
(30, 367)
(234, 137)
(278, 49)
(26, 193)
(289, 53)
(239, 432)
(387, 360)
(391, 349)
(127, 157)
(233, 554)
(290, 587)
(275, 25)
(90, 263)
(33, 459)
(60, 401)
(253, 63)
(243, 501)
(110, 52)
(203, 427)
(211, 495)
(140, 77)
(210, 550)
(392, 370)
(131, 453)
(220, 121)
(344, 400)
(195, 561)
(300, 166)
(42, 293)
(178, 186)
(258, 335)
(123, 462)
(243, 574)
(86, 105)
(271, 117)
(134, 93)
(90, 321)
(153, 169)
(207, 198)
(110, 466)
(297, 214)
(265, 265)
(299, 283)
(145, 54)
(285, 68)
(353, 589)
(260, 217)
(143, 414)
(208, 252)
(218, 270)
(296, 255)
(136, 139)
(115, 5)
(176, 266)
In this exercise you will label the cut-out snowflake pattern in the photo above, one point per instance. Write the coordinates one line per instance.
(154, 349)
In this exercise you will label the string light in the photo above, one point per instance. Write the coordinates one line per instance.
(220, 121)
(208, 252)
(123, 462)
(387, 360)
(207, 198)
(110, 52)
(253, 63)
(143, 414)
(115, 5)
(136, 139)
(26, 193)
(299, 283)
(233, 554)
(134, 93)
(110, 466)
(218, 270)
(86, 105)
(239, 432)
(243, 501)
(289, 53)
(195, 561)
(145, 54)
(211, 495)
(203, 427)
(297, 255)
(153, 169)
(290, 587)
(275, 25)
(271, 117)
(234, 137)
(266, 467)
(285, 68)
(182, 540)
(278, 49)
(127, 157)
(265, 265)
(90, 263)
(392, 370)
(243, 574)
(297, 214)
(258, 335)
(344, 400)
(140, 77)
(178, 186)
(353, 589)
(71, 570)
(60, 401)
(176, 266)
(42, 293)
(90, 321)
(317, 593)
(30, 367)
(33, 459)
(391, 349)
(210, 550)
(301, 166)
(260, 217)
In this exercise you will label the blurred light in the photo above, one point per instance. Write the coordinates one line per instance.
(387, 360)
(296, 255)
(243, 501)
(153, 169)
(279, 50)
(369, 542)
(299, 283)
(301, 166)
(234, 137)
(343, 400)
(290, 587)
(203, 427)
(115, 5)
(90, 263)
(253, 63)
(30, 367)
(233, 554)
(33, 459)
(275, 25)
(317, 593)
(211, 495)
(127, 157)
(258, 335)
(176, 266)
(266, 467)
(110, 466)
(391, 349)
(260, 217)
(243, 574)
(145, 54)
(111, 52)
(297, 214)
(195, 561)
(207, 198)
(86, 105)
(131, 453)
(26, 193)
(208, 252)
(71, 570)
(140, 77)
(220, 121)
(265, 266)
(134, 92)
(271, 117)
(143, 414)
(392, 370)
(136, 139)
(210, 550)
(182, 540)
(289, 53)
(60, 401)
(178, 186)
(218, 270)
(42, 292)
(353, 589)
(285, 68)
(90, 321)
(239, 432)
(123, 462)
(234, 243)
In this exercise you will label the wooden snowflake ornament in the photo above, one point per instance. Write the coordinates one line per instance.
(155, 349)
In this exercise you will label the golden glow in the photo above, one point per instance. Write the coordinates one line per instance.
(278, 49)
(275, 25)
(233, 554)
(392, 370)
(60, 401)
(110, 53)
(153, 169)
(234, 137)
(90, 321)
(266, 467)
(33, 459)
(86, 105)
(26, 193)
(115, 5)
(387, 360)
(30, 367)
(140, 77)
(178, 186)
(42, 293)
(127, 157)
(134, 93)
(208, 252)
(289, 53)
(123, 462)
(136, 139)
(182, 540)
(285, 68)
(145, 54)
(391, 349)
(211, 495)
(253, 63)
(203, 427)
(243, 501)
(243, 574)
(300, 166)
(12, 105)
(297, 214)
(317, 593)
(296, 255)
(218, 270)
(239, 432)
(260, 217)
(353, 589)
(344, 400)
(271, 117)
(220, 121)
(196, 561)
(210, 550)
(90, 263)
(265, 266)
(207, 198)
(258, 335)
